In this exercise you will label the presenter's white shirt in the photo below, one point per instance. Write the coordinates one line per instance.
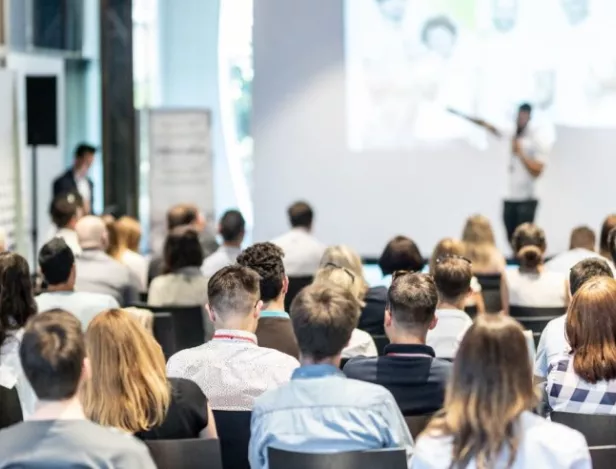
(83, 187)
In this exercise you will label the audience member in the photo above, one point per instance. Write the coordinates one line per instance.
(487, 420)
(232, 229)
(321, 410)
(581, 246)
(97, 272)
(274, 329)
(129, 390)
(582, 378)
(17, 305)
(302, 251)
(452, 275)
(3, 246)
(408, 370)
(480, 246)
(184, 215)
(553, 341)
(231, 369)
(57, 264)
(612, 244)
(126, 249)
(531, 284)
(65, 211)
(608, 225)
(59, 434)
(361, 343)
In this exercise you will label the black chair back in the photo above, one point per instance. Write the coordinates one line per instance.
(417, 423)
(471, 310)
(234, 433)
(490, 291)
(296, 284)
(164, 333)
(187, 454)
(381, 459)
(381, 341)
(603, 457)
(599, 430)
(535, 319)
(10, 407)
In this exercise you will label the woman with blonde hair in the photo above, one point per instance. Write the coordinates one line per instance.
(129, 389)
(487, 420)
(480, 246)
(124, 239)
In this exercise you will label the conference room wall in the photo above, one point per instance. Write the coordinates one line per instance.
(364, 199)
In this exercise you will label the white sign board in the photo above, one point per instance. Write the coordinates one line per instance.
(8, 146)
(180, 151)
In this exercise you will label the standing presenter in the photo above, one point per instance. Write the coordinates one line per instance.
(531, 144)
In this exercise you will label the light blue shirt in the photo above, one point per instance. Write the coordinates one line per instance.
(322, 411)
(552, 344)
(84, 305)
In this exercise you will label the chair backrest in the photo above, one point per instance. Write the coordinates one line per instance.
(381, 341)
(603, 457)
(471, 310)
(490, 291)
(417, 423)
(234, 433)
(187, 454)
(295, 286)
(599, 430)
(536, 312)
(164, 333)
(381, 459)
(10, 407)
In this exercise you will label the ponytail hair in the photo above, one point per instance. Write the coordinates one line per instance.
(529, 244)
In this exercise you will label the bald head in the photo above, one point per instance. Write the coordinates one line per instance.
(91, 232)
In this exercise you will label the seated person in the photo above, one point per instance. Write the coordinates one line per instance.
(608, 225)
(65, 211)
(583, 379)
(231, 369)
(487, 420)
(531, 284)
(232, 229)
(58, 434)
(274, 329)
(581, 246)
(553, 341)
(408, 370)
(57, 264)
(320, 410)
(480, 246)
(129, 390)
(3, 243)
(127, 236)
(452, 276)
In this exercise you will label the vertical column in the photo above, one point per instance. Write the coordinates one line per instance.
(120, 161)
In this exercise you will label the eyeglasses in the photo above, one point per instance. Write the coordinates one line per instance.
(452, 256)
(336, 266)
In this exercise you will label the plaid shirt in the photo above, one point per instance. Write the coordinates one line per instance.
(567, 392)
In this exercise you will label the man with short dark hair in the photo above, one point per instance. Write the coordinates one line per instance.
(52, 354)
(231, 369)
(57, 263)
(553, 342)
(409, 369)
(302, 251)
(452, 276)
(76, 179)
(274, 329)
(232, 228)
(581, 246)
(65, 211)
(320, 410)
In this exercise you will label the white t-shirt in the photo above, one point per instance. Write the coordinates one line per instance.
(552, 344)
(302, 252)
(361, 345)
(564, 261)
(541, 290)
(445, 338)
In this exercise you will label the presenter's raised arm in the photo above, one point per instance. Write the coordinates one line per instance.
(480, 122)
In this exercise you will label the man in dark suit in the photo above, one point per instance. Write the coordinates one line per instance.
(76, 179)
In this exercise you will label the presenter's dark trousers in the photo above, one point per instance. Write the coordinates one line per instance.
(518, 212)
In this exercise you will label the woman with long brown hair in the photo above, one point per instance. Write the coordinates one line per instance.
(579, 380)
(129, 389)
(486, 422)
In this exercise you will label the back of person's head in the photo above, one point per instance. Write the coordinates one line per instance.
(490, 387)
(344, 256)
(182, 215)
(478, 239)
(232, 226)
(17, 303)
(411, 301)
(300, 215)
(608, 225)
(586, 270)
(52, 353)
(83, 149)
(446, 247)
(324, 317)
(611, 241)
(452, 275)
(57, 261)
(65, 210)
(92, 233)
(182, 249)
(233, 291)
(583, 237)
(401, 253)
(529, 245)
(332, 274)
(591, 330)
(266, 260)
(128, 388)
(128, 230)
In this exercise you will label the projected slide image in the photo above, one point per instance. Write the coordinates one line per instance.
(408, 61)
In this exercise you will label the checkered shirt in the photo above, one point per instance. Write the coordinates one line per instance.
(567, 392)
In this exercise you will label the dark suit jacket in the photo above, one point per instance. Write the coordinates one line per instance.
(66, 184)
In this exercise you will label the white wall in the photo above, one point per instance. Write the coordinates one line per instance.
(363, 199)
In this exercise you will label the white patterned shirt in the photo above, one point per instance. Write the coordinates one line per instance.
(232, 370)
